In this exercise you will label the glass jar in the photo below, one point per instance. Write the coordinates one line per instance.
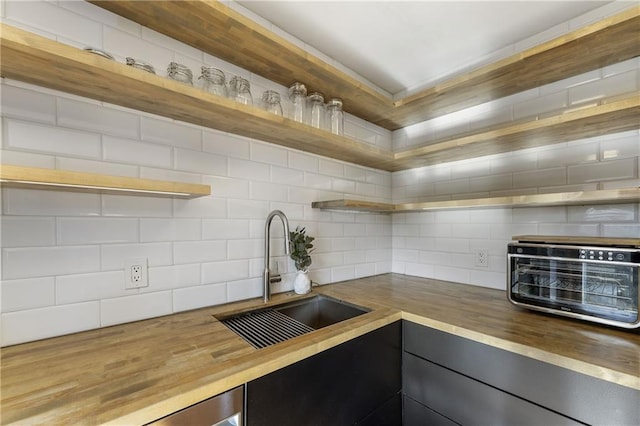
(213, 81)
(179, 72)
(271, 102)
(298, 97)
(316, 110)
(240, 90)
(335, 117)
(135, 63)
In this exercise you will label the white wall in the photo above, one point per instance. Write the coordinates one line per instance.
(63, 253)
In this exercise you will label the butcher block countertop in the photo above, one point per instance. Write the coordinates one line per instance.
(137, 372)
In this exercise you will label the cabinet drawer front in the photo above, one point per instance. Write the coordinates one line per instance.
(575, 395)
(416, 414)
(469, 402)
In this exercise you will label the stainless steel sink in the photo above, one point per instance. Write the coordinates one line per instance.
(266, 326)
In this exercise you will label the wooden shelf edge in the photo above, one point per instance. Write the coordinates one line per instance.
(39, 178)
(598, 44)
(603, 196)
(353, 205)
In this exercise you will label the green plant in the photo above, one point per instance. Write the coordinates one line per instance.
(300, 248)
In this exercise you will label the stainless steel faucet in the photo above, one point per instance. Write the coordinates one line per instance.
(267, 238)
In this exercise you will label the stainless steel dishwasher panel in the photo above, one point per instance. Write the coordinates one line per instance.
(225, 409)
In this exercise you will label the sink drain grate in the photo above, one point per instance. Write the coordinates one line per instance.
(265, 328)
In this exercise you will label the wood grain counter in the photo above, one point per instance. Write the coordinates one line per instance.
(137, 372)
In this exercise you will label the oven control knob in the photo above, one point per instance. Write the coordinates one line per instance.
(619, 256)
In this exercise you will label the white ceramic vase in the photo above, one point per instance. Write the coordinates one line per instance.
(302, 283)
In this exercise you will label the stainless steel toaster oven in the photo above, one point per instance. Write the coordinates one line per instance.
(593, 279)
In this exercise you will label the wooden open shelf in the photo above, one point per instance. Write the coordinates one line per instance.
(35, 59)
(37, 178)
(605, 116)
(604, 196)
(38, 60)
(222, 32)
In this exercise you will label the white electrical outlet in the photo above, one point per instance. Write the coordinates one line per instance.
(135, 273)
(482, 258)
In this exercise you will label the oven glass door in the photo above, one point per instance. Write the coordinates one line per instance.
(605, 290)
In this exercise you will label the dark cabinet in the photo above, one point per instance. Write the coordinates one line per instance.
(473, 383)
(357, 382)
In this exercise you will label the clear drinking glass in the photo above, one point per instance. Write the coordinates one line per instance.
(316, 110)
(213, 81)
(240, 90)
(298, 96)
(271, 102)
(335, 117)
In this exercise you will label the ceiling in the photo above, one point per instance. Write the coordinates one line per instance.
(402, 45)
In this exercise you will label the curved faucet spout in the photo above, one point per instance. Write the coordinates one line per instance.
(267, 238)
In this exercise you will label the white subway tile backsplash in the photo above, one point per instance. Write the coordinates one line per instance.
(606, 170)
(27, 325)
(611, 86)
(268, 192)
(93, 166)
(244, 289)
(24, 231)
(537, 214)
(198, 297)
(155, 230)
(31, 202)
(331, 167)
(269, 154)
(123, 44)
(126, 205)
(199, 251)
(247, 209)
(114, 255)
(21, 263)
(204, 207)
(96, 118)
(628, 230)
(170, 132)
(628, 145)
(225, 144)
(47, 16)
(20, 295)
(249, 170)
(247, 249)
(53, 140)
(18, 102)
(77, 288)
(586, 230)
(542, 177)
(603, 213)
(300, 161)
(225, 229)
(133, 308)
(75, 231)
(218, 272)
(129, 151)
(172, 277)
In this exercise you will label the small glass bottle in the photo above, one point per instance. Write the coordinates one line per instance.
(179, 72)
(271, 102)
(336, 117)
(213, 81)
(316, 110)
(298, 96)
(240, 90)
